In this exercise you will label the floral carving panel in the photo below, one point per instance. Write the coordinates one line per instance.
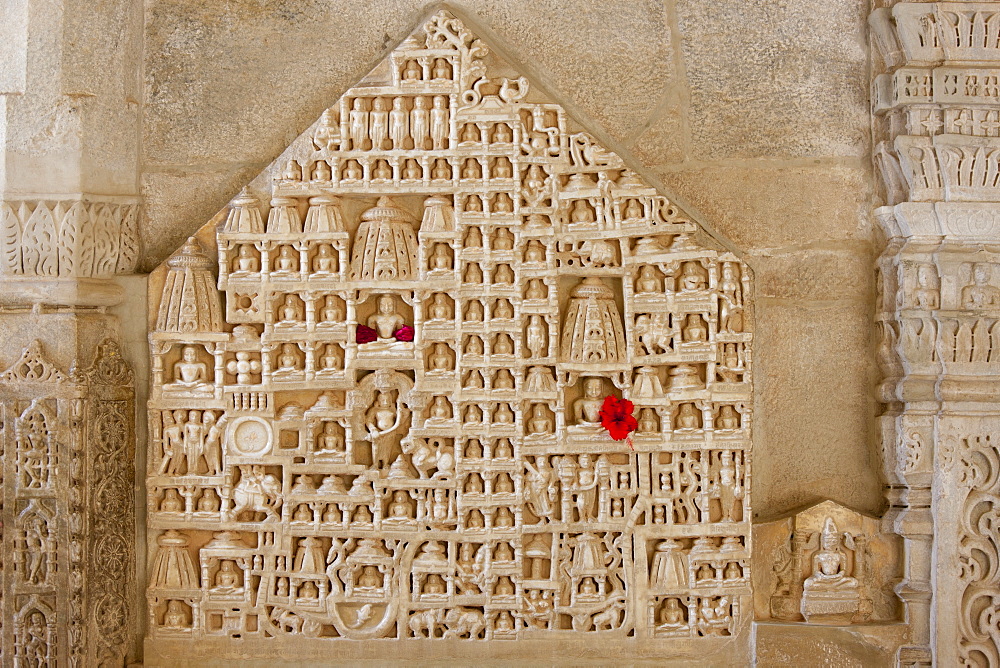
(375, 402)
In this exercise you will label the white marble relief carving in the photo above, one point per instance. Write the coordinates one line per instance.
(389, 425)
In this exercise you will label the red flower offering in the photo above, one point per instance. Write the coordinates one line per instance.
(404, 333)
(365, 334)
(616, 417)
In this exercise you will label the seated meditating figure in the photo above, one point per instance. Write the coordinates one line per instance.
(692, 277)
(209, 502)
(688, 417)
(671, 617)
(440, 359)
(503, 380)
(172, 502)
(502, 169)
(502, 134)
(385, 323)
(503, 310)
(440, 259)
(441, 170)
(502, 203)
(831, 563)
(504, 449)
(632, 210)
(503, 345)
(325, 261)
(440, 409)
(695, 330)
(648, 423)
(370, 578)
(587, 409)
(332, 359)
(288, 360)
(473, 238)
(540, 423)
(581, 212)
(474, 311)
(435, 586)
(331, 313)
(228, 578)
(647, 282)
(474, 204)
(190, 374)
(830, 593)
(474, 346)
(412, 171)
(473, 380)
(503, 275)
(440, 309)
(535, 251)
(980, 294)
(503, 240)
(382, 171)
(353, 171)
(401, 508)
(330, 440)
(536, 290)
(728, 418)
(175, 618)
(287, 261)
(503, 415)
(246, 261)
(290, 312)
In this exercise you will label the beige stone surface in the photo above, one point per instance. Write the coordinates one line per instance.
(775, 79)
(803, 646)
(822, 441)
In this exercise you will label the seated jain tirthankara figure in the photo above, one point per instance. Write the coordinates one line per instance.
(405, 372)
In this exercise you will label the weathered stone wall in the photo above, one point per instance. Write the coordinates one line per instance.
(753, 114)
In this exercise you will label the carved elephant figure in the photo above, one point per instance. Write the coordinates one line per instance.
(464, 623)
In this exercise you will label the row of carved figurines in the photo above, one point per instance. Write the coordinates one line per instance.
(650, 280)
(713, 616)
(979, 294)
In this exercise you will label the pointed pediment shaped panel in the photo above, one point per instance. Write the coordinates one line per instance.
(435, 302)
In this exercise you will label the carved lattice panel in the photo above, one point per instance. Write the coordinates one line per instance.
(386, 427)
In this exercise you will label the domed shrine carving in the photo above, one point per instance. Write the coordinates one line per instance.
(389, 426)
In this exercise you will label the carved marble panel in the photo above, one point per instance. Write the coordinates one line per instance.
(67, 508)
(377, 378)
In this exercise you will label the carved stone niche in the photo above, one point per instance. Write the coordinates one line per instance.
(825, 565)
(380, 420)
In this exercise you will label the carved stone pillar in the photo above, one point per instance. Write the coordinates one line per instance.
(937, 127)
(68, 225)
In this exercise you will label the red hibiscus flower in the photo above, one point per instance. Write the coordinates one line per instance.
(365, 334)
(616, 417)
(404, 333)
